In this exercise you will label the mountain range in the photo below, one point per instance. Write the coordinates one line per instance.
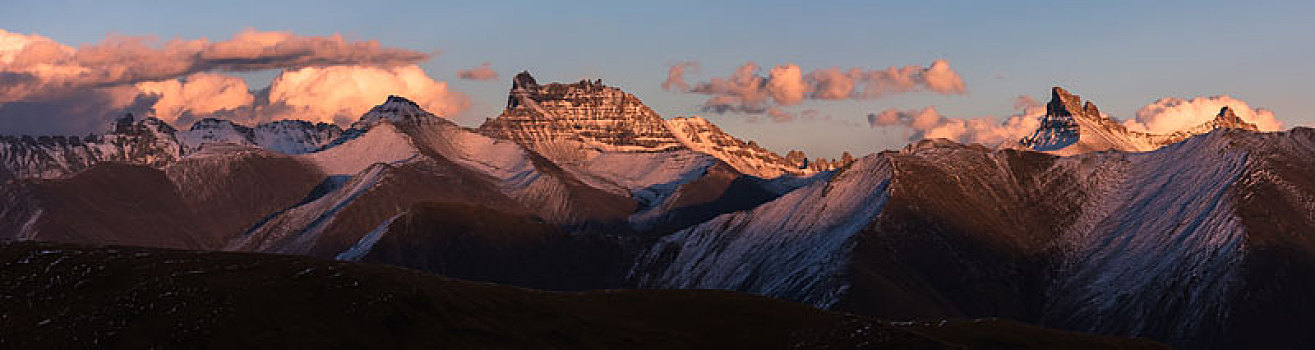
(1198, 238)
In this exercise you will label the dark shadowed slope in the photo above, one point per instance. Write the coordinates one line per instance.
(484, 244)
(110, 203)
(62, 296)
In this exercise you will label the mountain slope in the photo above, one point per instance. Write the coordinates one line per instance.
(609, 140)
(230, 188)
(108, 204)
(1164, 244)
(792, 247)
(701, 135)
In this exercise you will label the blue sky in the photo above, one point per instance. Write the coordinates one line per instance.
(1121, 54)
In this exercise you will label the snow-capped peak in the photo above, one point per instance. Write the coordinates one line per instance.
(395, 109)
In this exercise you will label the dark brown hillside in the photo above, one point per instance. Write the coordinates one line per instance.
(1276, 195)
(964, 233)
(721, 189)
(483, 244)
(110, 203)
(234, 188)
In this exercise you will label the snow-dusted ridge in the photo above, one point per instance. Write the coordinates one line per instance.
(795, 247)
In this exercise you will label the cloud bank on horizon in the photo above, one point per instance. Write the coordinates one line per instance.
(46, 86)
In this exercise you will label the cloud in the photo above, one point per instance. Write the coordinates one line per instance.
(941, 78)
(926, 123)
(744, 91)
(197, 94)
(779, 115)
(747, 91)
(342, 93)
(786, 83)
(676, 76)
(482, 73)
(1171, 114)
(832, 84)
(1023, 102)
(46, 87)
(49, 68)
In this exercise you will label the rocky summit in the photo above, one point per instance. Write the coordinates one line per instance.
(562, 120)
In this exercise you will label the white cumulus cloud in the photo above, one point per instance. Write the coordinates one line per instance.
(1170, 114)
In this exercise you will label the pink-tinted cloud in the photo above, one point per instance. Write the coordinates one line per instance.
(676, 76)
(1171, 114)
(926, 123)
(1023, 102)
(482, 73)
(779, 116)
(197, 94)
(747, 91)
(47, 86)
(744, 91)
(342, 93)
(786, 84)
(833, 84)
(37, 67)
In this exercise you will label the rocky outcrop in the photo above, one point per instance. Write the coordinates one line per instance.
(573, 122)
(701, 135)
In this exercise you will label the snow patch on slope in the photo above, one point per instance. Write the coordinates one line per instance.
(295, 230)
(1161, 241)
(367, 242)
(701, 135)
(383, 143)
(796, 247)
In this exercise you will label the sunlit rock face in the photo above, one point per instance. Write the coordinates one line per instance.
(577, 121)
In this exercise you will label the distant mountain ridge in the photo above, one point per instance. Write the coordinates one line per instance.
(1071, 127)
(153, 142)
(1086, 226)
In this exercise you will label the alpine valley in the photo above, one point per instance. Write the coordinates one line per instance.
(1198, 238)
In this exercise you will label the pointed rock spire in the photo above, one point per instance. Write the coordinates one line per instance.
(1063, 103)
(1227, 119)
